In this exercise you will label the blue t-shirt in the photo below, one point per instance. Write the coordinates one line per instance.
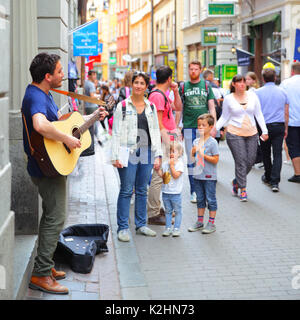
(36, 101)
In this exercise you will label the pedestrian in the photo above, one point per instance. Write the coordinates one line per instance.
(252, 81)
(110, 103)
(38, 111)
(171, 173)
(205, 147)
(240, 109)
(90, 90)
(197, 98)
(125, 90)
(208, 76)
(275, 108)
(136, 149)
(167, 125)
(292, 89)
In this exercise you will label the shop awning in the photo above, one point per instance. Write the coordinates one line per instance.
(264, 19)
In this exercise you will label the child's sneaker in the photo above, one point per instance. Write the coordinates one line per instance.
(197, 226)
(243, 196)
(235, 188)
(209, 228)
(167, 232)
(176, 232)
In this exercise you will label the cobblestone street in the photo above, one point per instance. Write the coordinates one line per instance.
(250, 256)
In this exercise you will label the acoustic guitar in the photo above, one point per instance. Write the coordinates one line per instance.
(54, 157)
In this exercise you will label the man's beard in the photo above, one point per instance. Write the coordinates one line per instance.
(194, 77)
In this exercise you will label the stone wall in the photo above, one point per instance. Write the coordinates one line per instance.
(6, 216)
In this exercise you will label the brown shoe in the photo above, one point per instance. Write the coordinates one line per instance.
(159, 220)
(47, 284)
(58, 275)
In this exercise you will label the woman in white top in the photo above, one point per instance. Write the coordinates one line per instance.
(240, 108)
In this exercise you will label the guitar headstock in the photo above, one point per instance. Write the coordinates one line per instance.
(110, 103)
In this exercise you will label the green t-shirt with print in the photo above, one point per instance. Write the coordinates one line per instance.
(195, 101)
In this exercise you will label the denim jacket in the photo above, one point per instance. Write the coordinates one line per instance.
(124, 132)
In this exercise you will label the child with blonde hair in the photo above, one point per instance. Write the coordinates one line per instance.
(171, 172)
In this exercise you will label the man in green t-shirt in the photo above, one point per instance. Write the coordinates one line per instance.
(197, 98)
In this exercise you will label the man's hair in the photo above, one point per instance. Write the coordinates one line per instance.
(268, 75)
(91, 72)
(198, 63)
(207, 72)
(208, 117)
(42, 64)
(163, 73)
(296, 67)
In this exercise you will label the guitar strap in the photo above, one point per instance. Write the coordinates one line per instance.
(32, 151)
(80, 97)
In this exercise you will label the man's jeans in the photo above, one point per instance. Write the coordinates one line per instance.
(190, 134)
(172, 202)
(136, 176)
(206, 194)
(275, 141)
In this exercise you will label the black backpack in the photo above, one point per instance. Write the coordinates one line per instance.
(166, 99)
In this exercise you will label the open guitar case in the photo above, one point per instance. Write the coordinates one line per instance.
(79, 244)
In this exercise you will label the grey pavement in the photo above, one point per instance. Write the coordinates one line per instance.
(250, 256)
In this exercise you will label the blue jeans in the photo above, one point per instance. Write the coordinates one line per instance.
(190, 134)
(172, 202)
(136, 176)
(206, 194)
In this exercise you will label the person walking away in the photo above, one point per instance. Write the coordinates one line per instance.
(38, 112)
(136, 149)
(91, 91)
(205, 182)
(167, 126)
(240, 109)
(292, 89)
(208, 76)
(275, 108)
(197, 98)
(171, 173)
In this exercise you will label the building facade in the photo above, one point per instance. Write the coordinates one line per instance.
(213, 51)
(140, 36)
(267, 29)
(122, 37)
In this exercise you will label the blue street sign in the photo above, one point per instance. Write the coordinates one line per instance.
(297, 46)
(85, 40)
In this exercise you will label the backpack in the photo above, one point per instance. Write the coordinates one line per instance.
(166, 100)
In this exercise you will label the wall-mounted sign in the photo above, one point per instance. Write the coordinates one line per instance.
(163, 48)
(208, 40)
(220, 9)
(85, 39)
(112, 60)
(228, 71)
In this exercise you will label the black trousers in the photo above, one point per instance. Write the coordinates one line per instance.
(274, 145)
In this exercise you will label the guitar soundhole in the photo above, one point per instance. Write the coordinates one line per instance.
(76, 133)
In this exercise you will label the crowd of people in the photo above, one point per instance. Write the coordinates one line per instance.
(154, 128)
(167, 120)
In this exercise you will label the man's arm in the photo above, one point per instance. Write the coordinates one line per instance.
(212, 111)
(177, 100)
(48, 130)
(286, 119)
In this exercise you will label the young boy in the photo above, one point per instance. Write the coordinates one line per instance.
(206, 153)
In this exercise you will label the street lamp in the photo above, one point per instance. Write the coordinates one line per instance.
(92, 10)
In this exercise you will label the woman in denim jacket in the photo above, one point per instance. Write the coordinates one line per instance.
(135, 139)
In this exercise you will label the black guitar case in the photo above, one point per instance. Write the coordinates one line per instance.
(79, 244)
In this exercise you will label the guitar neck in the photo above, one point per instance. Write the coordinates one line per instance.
(89, 122)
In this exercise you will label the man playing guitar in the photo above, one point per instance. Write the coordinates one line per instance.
(39, 110)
